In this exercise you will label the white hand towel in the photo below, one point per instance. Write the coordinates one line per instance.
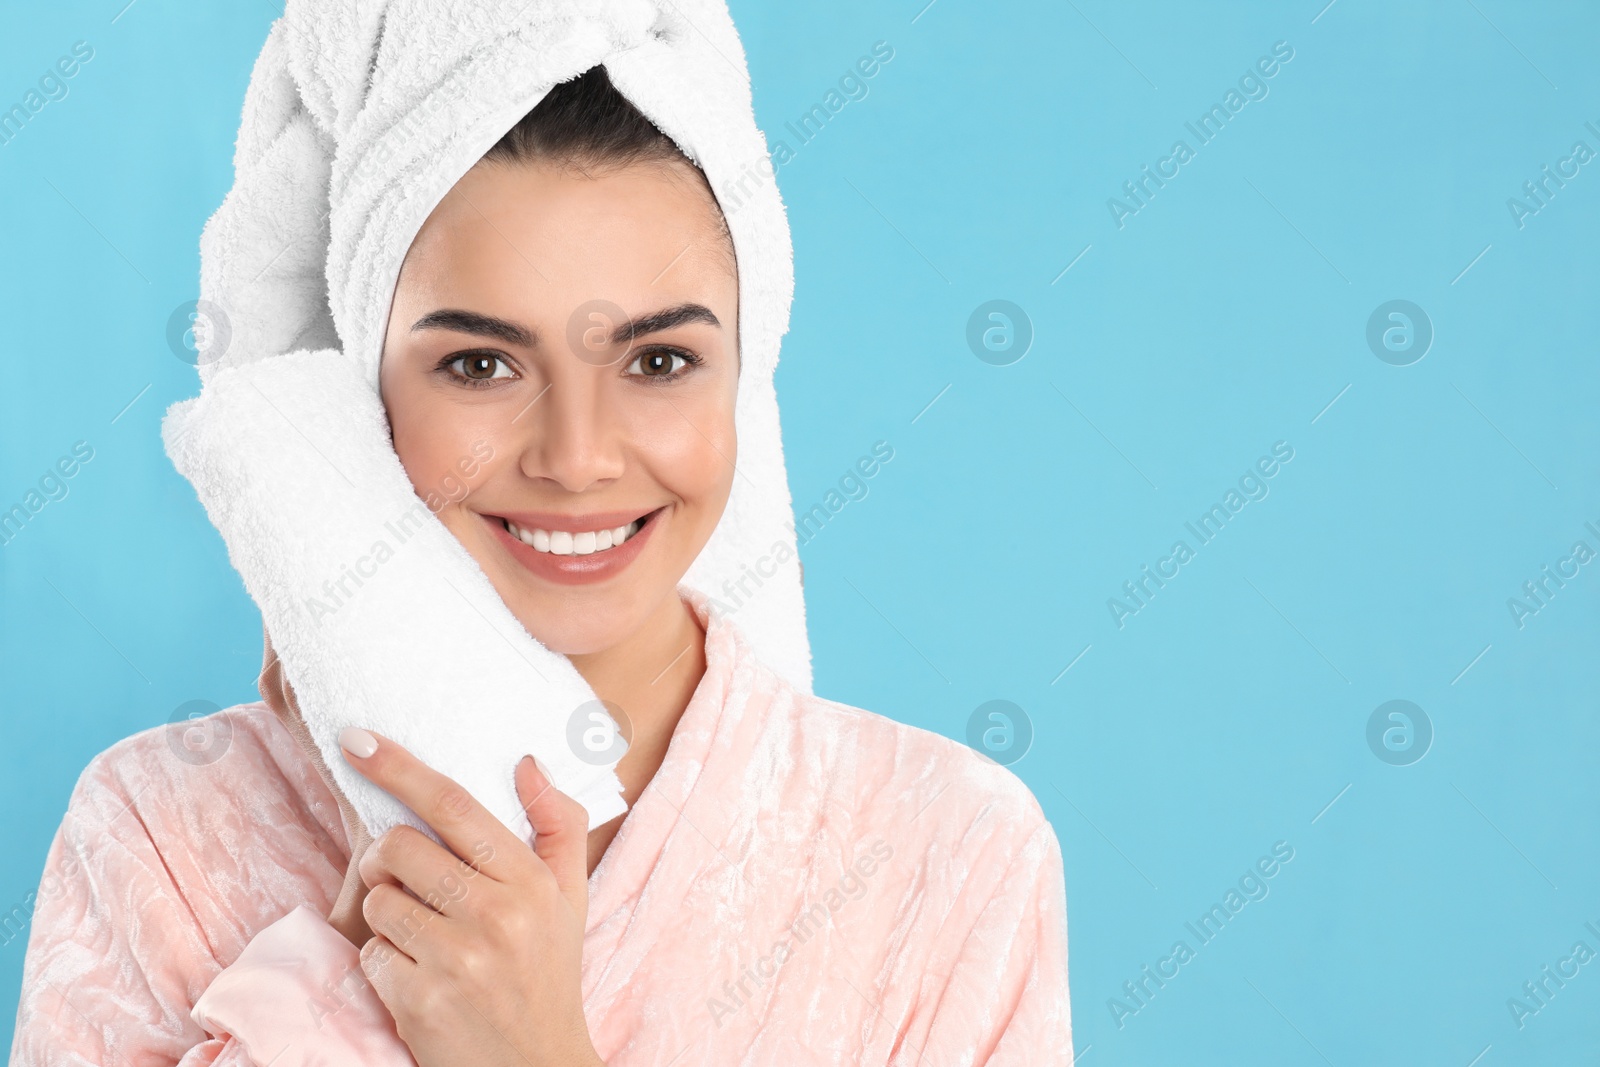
(360, 116)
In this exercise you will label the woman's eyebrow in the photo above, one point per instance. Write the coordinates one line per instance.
(473, 322)
(463, 321)
(665, 319)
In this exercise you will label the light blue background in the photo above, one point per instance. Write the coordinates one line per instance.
(1224, 316)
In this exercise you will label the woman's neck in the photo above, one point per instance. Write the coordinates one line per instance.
(651, 677)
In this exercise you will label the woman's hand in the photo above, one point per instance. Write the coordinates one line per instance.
(477, 948)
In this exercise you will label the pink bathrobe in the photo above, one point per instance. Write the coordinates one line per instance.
(801, 882)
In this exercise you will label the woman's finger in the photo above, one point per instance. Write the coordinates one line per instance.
(407, 923)
(388, 969)
(560, 832)
(465, 826)
(407, 858)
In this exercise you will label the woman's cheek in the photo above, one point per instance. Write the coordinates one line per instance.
(447, 455)
(691, 447)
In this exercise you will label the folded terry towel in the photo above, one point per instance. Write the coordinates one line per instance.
(360, 116)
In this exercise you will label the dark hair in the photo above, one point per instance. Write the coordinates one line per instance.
(587, 123)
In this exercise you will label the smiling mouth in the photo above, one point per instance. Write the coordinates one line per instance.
(584, 543)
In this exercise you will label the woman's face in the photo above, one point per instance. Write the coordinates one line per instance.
(559, 369)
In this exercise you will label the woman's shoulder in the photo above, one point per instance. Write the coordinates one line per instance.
(196, 744)
(927, 766)
(952, 834)
(889, 766)
(229, 765)
(179, 843)
(920, 790)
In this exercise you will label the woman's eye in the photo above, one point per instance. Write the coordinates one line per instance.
(480, 367)
(661, 363)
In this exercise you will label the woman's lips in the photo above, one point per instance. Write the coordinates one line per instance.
(573, 569)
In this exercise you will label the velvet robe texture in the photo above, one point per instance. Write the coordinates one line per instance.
(801, 882)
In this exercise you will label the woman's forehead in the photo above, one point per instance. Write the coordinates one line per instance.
(564, 227)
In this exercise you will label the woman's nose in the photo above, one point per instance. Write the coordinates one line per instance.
(570, 437)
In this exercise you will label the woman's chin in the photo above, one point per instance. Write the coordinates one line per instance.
(573, 644)
(600, 624)
(579, 629)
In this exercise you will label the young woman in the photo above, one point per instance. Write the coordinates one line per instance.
(795, 880)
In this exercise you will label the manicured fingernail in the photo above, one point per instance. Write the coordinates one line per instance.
(357, 742)
(537, 762)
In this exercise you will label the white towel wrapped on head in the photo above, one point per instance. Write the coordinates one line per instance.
(360, 117)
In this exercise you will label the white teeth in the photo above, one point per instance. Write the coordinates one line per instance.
(564, 543)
